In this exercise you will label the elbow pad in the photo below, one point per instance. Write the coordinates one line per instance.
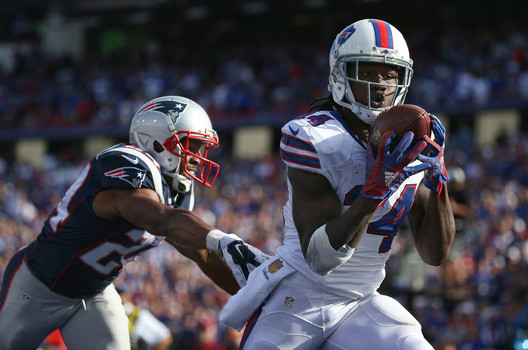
(322, 257)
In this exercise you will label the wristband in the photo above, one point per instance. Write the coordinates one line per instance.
(322, 257)
(212, 240)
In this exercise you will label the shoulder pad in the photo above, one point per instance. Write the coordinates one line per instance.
(304, 140)
(126, 166)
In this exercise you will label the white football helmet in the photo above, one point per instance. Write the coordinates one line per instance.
(165, 127)
(367, 40)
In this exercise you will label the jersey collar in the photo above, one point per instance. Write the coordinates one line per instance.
(338, 115)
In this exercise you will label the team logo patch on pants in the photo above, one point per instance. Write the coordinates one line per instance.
(288, 301)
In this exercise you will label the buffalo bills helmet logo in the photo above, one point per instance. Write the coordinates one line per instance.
(133, 176)
(170, 108)
(345, 34)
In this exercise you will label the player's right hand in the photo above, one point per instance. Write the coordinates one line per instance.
(388, 171)
(241, 257)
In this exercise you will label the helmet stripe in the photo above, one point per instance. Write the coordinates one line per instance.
(383, 34)
(146, 108)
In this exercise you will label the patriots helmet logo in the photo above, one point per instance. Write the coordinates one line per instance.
(170, 108)
(133, 176)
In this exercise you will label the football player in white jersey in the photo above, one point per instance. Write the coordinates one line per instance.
(128, 199)
(344, 208)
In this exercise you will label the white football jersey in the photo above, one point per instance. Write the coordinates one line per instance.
(322, 143)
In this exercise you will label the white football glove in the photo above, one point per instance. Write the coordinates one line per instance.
(241, 257)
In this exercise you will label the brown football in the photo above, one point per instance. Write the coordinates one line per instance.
(400, 119)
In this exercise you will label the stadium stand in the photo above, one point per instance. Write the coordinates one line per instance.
(246, 71)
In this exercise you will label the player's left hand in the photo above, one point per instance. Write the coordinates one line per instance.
(436, 174)
(241, 257)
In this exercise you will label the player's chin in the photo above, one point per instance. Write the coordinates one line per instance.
(378, 104)
(188, 175)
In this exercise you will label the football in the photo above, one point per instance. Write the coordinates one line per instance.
(400, 119)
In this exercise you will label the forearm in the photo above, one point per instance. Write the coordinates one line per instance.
(324, 255)
(437, 230)
(350, 227)
(143, 209)
(328, 236)
(183, 228)
(212, 266)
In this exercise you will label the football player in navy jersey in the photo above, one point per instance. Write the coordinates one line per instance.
(128, 199)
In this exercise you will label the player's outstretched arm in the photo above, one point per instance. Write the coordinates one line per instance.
(142, 208)
(212, 265)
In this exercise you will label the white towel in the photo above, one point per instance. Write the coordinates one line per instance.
(241, 306)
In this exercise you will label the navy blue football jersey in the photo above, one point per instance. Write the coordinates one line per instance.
(78, 253)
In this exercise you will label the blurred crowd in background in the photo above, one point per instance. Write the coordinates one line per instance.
(458, 69)
(476, 300)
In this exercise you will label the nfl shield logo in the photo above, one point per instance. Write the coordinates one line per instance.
(288, 301)
(26, 298)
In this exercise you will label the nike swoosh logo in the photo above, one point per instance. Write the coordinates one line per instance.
(294, 132)
(235, 245)
(131, 160)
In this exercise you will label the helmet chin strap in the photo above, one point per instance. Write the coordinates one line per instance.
(364, 113)
(180, 183)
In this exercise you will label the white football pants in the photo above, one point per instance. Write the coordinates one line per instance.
(301, 316)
